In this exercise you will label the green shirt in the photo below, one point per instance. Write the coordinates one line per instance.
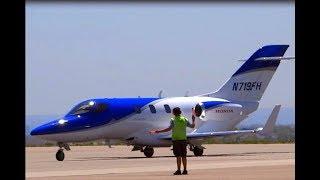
(179, 125)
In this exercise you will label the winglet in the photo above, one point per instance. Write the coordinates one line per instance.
(268, 127)
(160, 94)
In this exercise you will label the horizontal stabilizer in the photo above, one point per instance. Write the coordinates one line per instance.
(268, 127)
(271, 58)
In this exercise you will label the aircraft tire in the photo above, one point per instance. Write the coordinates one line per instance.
(197, 151)
(148, 151)
(60, 155)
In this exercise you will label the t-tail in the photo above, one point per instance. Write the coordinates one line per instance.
(250, 81)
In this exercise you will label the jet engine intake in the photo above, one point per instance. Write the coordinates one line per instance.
(199, 111)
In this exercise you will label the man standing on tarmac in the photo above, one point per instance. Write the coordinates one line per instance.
(178, 125)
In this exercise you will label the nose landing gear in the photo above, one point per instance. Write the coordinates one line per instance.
(60, 153)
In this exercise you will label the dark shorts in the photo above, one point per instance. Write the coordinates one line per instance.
(180, 148)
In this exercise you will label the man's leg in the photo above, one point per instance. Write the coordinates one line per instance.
(184, 156)
(177, 153)
(179, 163)
(184, 162)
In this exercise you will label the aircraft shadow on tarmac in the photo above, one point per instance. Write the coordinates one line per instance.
(171, 156)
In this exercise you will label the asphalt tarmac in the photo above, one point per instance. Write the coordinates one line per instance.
(220, 161)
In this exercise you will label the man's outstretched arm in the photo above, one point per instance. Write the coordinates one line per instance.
(160, 131)
(155, 131)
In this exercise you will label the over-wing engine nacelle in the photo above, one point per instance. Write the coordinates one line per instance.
(212, 110)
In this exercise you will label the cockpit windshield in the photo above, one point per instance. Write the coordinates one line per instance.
(88, 106)
(82, 108)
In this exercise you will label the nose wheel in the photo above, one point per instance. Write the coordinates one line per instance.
(60, 155)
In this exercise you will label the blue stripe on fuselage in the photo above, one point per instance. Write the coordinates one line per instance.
(117, 108)
(213, 104)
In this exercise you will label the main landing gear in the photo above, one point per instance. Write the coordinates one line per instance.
(148, 151)
(60, 153)
(197, 150)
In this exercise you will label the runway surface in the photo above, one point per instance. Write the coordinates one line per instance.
(220, 161)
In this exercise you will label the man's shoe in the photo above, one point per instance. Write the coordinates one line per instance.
(185, 172)
(178, 172)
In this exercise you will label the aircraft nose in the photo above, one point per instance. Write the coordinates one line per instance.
(34, 132)
(52, 127)
(43, 129)
(37, 131)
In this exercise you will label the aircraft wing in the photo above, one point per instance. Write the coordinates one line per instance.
(203, 135)
(266, 130)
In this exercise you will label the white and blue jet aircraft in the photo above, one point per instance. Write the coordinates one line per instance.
(130, 119)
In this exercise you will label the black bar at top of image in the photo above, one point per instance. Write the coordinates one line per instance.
(160, 1)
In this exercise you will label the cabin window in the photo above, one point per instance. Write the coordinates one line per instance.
(152, 109)
(100, 108)
(167, 108)
(137, 110)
